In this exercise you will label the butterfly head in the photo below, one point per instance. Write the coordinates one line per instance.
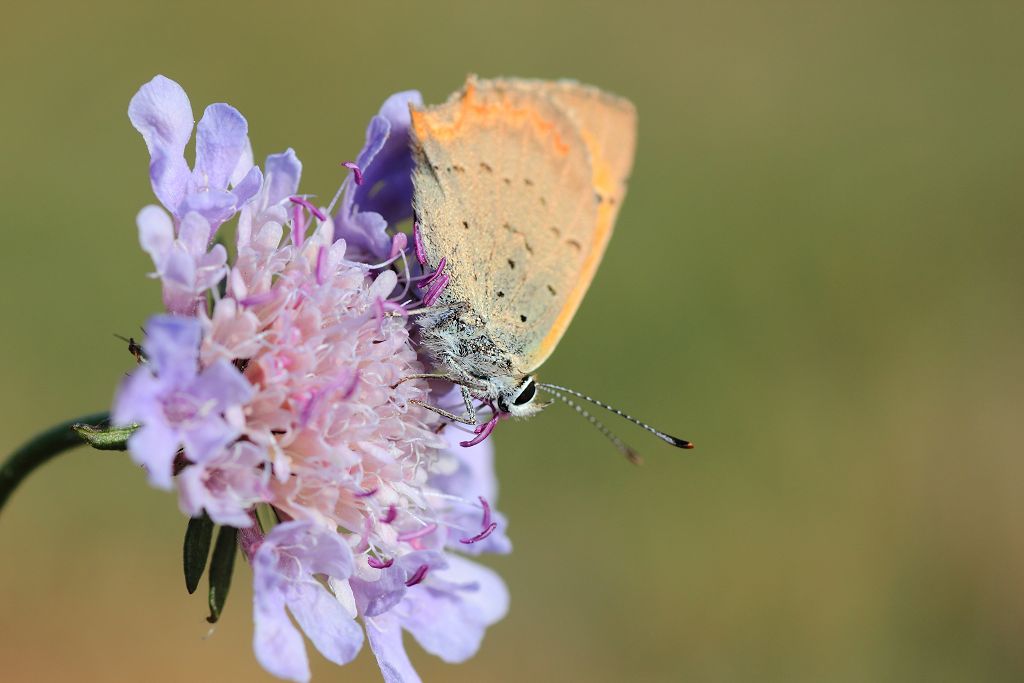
(519, 399)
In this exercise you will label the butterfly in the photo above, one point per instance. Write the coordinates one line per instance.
(517, 185)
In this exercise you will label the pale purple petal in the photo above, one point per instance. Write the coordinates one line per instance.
(376, 136)
(160, 110)
(137, 398)
(326, 553)
(215, 205)
(172, 346)
(207, 439)
(195, 497)
(226, 487)
(194, 233)
(475, 475)
(179, 270)
(283, 572)
(385, 637)
(283, 173)
(378, 596)
(154, 446)
(325, 622)
(277, 643)
(248, 186)
(210, 268)
(223, 383)
(244, 165)
(387, 181)
(490, 600)
(156, 233)
(385, 195)
(221, 139)
(169, 177)
(450, 621)
(365, 235)
(179, 276)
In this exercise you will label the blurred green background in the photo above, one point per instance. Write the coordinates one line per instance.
(816, 277)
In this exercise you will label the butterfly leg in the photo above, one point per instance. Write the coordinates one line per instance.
(469, 419)
(418, 311)
(420, 375)
(440, 375)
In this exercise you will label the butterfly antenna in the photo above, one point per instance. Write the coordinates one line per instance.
(668, 438)
(621, 445)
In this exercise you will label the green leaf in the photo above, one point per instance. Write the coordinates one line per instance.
(105, 438)
(196, 549)
(221, 566)
(266, 517)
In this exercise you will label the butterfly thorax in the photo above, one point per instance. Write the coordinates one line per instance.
(456, 340)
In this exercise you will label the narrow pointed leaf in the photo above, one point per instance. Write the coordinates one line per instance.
(221, 565)
(195, 550)
(266, 517)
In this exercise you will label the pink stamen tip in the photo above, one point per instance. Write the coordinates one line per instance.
(368, 493)
(487, 512)
(436, 274)
(434, 293)
(307, 410)
(482, 432)
(377, 564)
(398, 244)
(356, 171)
(353, 385)
(480, 536)
(321, 266)
(310, 206)
(390, 515)
(418, 575)
(421, 255)
(419, 533)
(364, 538)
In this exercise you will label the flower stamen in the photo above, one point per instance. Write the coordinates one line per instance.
(418, 575)
(356, 171)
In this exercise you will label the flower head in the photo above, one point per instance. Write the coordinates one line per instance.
(286, 566)
(224, 177)
(178, 404)
(283, 380)
(381, 194)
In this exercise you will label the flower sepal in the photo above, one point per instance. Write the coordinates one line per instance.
(105, 438)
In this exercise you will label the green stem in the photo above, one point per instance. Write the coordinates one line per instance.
(51, 443)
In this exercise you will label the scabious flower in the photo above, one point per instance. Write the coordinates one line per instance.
(274, 382)
(380, 191)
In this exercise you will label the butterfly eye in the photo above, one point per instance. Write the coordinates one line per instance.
(526, 395)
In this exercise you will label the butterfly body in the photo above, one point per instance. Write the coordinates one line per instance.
(517, 185)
